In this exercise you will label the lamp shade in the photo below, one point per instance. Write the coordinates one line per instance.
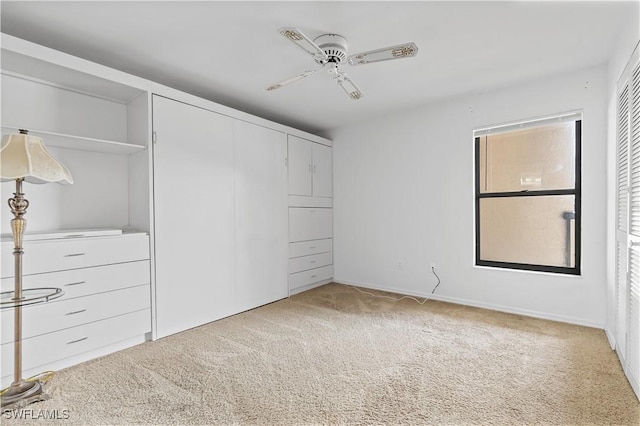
(25, 156)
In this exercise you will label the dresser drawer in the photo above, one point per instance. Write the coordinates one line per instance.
(310, 224)
(306, 248)
(301, 279)
(61, 314)
(305, 263)
(47, 348)
(82, 282)
(58, 255)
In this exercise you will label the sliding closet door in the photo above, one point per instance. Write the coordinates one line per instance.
(628, 223)
(633, 338)
(194, 233)
(261, 225)
(622, 224)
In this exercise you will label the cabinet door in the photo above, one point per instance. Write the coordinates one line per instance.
(322, 182)
(310, 224)
(261, 215)
(194, 235)
(299, 166)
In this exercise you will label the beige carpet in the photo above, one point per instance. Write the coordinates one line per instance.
(336, 356)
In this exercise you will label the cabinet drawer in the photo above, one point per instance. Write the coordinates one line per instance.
(310, 224)
(306, 248)
(58, 315)
(47, 348)
(311, 276)
(58, 255)
(82, 282)
(304, 263)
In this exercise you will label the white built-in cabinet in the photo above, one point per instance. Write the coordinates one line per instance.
(310, 213)
(310, 171)
(260, 193)
(106, 303)
(194, 215)
(198, 193)
(220, 215)
(95, 120)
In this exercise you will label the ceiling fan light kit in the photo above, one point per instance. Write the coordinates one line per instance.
(330, 50)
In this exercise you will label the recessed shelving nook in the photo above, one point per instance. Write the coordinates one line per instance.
(96, 121)
(92, 239)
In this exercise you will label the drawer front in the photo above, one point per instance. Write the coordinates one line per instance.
(306, 248)
(42, 350)
(59, 255)
(302, 279)
(58, 315)
(305, 263)
(310, 224)
(86, 281)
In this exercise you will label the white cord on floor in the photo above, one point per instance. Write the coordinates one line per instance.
(395, 299)
(389, 297)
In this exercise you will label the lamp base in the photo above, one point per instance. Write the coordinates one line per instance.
(23, 393)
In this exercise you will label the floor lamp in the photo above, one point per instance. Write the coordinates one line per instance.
(24, 158)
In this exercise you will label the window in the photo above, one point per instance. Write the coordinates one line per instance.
(527, 195)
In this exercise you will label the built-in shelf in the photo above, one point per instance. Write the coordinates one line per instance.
(82, 143)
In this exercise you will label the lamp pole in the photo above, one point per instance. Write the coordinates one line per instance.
(18, 205)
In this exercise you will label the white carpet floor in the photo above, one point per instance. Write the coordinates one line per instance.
(336, 356)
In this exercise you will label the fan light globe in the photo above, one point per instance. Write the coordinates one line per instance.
(23, 156)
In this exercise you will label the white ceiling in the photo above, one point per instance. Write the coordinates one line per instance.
(230, 51)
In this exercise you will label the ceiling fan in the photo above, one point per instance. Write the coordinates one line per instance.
(330, 50)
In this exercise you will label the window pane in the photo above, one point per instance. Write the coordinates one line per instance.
(530, 230)
(538, 158)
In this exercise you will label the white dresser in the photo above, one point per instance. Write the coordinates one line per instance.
(310, 262)
(105, 306)
(310, 214)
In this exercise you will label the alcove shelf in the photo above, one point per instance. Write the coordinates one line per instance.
(82, 143)
(96, 121)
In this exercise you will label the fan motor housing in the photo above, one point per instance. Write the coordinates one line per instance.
(334, 45)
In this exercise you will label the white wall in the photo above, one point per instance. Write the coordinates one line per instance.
(97, 199)
(404, 192)
(627, 40)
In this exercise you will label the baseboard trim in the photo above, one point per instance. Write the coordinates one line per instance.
(309, 287)
(476, 304)
(610, 337)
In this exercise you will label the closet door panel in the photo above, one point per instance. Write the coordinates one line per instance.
(261, 215)
(322, 171)
(194, 213)
(300, 166)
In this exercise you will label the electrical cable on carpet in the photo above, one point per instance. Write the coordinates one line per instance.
(433, 269)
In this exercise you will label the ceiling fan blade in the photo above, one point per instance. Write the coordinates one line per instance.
(292, 79)
(349, 86)
(406, 50)
(297, 37)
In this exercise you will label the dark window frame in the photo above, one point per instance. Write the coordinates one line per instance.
(576, 192)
